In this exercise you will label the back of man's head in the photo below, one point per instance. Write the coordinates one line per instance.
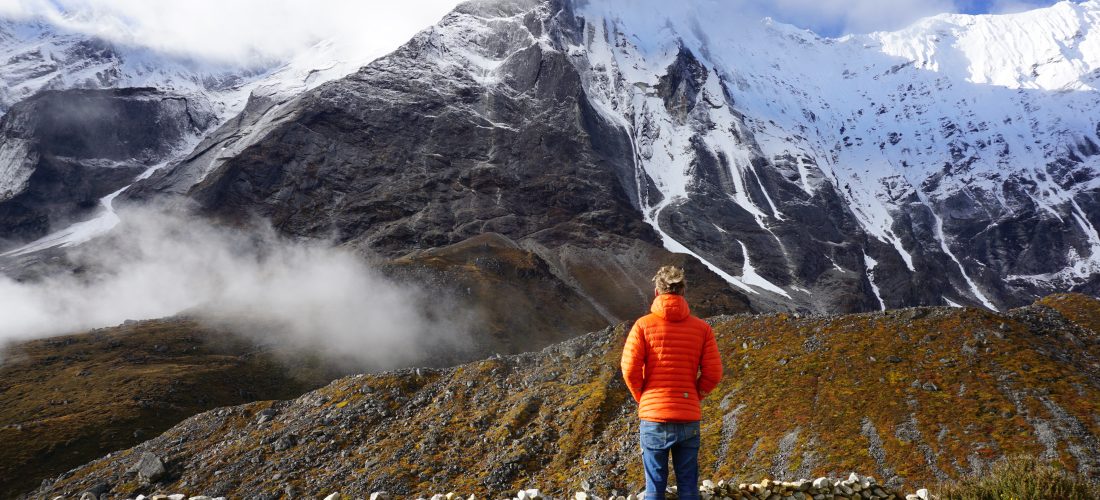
(670, 279)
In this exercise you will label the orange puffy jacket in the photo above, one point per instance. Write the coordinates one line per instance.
(662, 360)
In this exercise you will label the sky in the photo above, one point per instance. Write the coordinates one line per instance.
(839, 17)
(249, 30)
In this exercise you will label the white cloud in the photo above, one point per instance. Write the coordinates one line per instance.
(238, 30)
(255, 282)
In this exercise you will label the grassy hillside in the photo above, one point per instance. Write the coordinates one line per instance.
(913, 397)
(67, 400)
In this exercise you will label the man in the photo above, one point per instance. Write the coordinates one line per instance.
(670, 363)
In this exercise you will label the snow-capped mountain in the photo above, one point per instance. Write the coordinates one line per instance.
(953, 162)
(967, 144)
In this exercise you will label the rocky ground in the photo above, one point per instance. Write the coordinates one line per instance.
(914, 396)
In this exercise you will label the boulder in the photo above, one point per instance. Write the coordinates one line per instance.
(149, 468)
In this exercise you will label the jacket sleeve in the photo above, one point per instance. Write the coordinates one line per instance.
(633, 361)
(710, 366)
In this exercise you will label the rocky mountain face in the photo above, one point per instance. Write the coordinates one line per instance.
(910, 396)
(62, 153)
(423, 152)
(805, 173)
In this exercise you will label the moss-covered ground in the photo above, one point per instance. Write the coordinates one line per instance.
(914, 397)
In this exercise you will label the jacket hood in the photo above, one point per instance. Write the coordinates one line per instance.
(671, 307)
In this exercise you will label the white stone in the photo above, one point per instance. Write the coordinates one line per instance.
(580, 494)
(177, 496)
(380, 495)
(823, 483)
(923, 494)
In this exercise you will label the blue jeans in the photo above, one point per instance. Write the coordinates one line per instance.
(657, 440)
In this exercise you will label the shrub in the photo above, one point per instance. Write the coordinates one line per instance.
(1022, 478)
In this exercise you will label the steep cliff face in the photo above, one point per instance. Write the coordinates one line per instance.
(910, 396)
(63, 152)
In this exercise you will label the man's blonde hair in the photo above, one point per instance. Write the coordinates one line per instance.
(670, 279)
